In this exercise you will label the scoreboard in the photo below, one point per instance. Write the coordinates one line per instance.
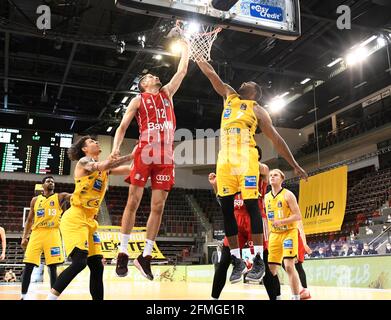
(37, 152)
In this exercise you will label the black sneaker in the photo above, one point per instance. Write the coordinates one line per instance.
(144, 265)
(121, 268)
(239, 268)
(257, 271)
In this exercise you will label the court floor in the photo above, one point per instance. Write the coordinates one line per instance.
(127, 290)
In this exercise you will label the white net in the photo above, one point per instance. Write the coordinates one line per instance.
(200, 38)
(201, 43)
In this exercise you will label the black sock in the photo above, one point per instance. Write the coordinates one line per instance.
(96, 277)
(26, 277)
(271, 283)
(220, 275)
(52, 274)
(302, 275)
(79, 262)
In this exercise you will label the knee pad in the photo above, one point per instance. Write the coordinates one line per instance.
(255, 215)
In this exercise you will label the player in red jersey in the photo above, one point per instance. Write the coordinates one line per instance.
(302, 250)
(242, 217)
(153, 158)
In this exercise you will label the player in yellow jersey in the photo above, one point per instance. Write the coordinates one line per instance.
(78, 225)
(43, 221)
(283, 214)
(237, 164)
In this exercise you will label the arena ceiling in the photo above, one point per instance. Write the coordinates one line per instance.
(73, 78)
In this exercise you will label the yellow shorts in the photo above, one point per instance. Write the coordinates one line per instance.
(282, 245)
(48, 241)
(80, 231)
(238, 175)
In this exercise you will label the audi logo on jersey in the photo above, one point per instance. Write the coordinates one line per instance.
(163, 177)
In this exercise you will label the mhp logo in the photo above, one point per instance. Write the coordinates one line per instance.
(266, 12)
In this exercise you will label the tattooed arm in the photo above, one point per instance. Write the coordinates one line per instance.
(87, 165)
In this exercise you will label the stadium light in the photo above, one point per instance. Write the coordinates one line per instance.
(31, 121)
(193, 27)
(357, 56)
(277, 104)
(363, 44)
(176, 48)
(284, 94)
(157, 57)
(109, 129)
(117, 110)
(334, 62)
(305, 80)
(124, 99)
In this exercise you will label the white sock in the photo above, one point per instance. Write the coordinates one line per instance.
(148, 247)
(124, 243)
(23, 296)
(296, 297)
(258, 249)
(51, 296)
(211, 298)
(236, 253)
(278, 298)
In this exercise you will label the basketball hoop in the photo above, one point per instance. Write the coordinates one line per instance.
(200, 38)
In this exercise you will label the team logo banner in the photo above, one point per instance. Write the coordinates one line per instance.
(322, 201)
(110, 241)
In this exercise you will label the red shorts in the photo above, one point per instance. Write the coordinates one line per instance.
(244, 229)
(301, 250)
(162, 175)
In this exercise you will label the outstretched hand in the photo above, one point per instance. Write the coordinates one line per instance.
(299, 171)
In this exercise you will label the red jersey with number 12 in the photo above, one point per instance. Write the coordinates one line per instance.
(156, 121)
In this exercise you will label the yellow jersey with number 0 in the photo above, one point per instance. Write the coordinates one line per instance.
(89, 192)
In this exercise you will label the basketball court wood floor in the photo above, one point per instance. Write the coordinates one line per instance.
(127, 290)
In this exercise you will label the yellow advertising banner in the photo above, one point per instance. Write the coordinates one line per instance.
(322, 200)
(110, 241)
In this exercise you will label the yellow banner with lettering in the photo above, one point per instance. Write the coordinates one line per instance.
(322, 200)
(110, 241)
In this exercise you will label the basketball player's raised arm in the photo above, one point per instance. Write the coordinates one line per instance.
(124, 125)
(29, 224)
(295, 210)
(172, 87)
(266, 125)
(121, 171)
(3, 243)
(90, 165)
(222, 88)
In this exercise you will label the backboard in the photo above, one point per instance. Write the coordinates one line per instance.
(271, 18)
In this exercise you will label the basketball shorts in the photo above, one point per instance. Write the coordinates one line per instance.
(283, 245)
(244, 229)
(162, 175)
(238, 175)
(80, 231)
(301, 249)
(47, 241)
